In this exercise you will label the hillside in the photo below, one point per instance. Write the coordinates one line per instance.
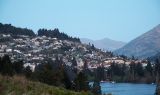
(106, 43)
(144, 46)
(64, 62)
(21, 86)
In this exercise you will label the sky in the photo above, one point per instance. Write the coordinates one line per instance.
(121, 20)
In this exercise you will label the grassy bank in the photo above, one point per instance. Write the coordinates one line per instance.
(19, 85)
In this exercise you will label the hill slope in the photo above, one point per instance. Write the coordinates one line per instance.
(106, 43)
(21, 86)
(143, 46)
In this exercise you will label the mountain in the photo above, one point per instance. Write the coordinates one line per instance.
(106, 43)
(154, 58)
(146, 45)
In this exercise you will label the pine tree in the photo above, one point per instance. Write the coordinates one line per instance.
(81, 82)
(18, 67)
(7, 66)
(132, 70)
(67, 82)
(149, 68)
(28, 72)
(1, 65)
(139, 69)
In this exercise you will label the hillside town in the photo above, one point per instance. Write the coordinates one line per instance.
(33, 50)
(79, 47)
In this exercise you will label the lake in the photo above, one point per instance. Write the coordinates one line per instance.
(128, 89)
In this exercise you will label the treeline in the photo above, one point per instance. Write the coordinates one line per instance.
(54, 73)
(14, 31)
(135, 72)
(8, 68)
(56, 34)
(9, 29)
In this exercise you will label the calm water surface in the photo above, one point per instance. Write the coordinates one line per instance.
(128, 89)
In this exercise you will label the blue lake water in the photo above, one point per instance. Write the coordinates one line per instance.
(128, 89)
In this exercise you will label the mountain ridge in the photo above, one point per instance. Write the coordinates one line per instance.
(105, 43)
(145, 45)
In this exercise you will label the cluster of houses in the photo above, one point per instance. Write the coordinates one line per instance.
(33, 50)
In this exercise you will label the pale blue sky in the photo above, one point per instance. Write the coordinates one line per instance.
(121, 20)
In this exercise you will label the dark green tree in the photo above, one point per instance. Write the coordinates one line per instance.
(149, 68)
(123, 70)
(81, 83)
(139, 70)
(7, 66)
(28, 72)
(67, 82)
(50, 72)
(46, 74)
(14, 31)
(132, 69)
(96, 88)
(100, 73)
(56, 34)
(1, 64)
(18, 67)
(92, 46)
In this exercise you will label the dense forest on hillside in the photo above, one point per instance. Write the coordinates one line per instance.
(9, 29)
(56, 34)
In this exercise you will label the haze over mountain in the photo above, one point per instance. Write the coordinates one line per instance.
(105, 43)
(146, 45)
